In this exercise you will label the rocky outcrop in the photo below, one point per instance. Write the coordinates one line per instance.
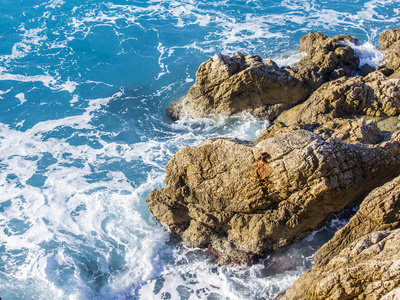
(351, 131)
(379, 211)
(230, 85)
(244, 200)
(346, 130)
(373, 95)
(389, 41)
(368, 268)
(362, 260)
(327, 58)
(241, 199)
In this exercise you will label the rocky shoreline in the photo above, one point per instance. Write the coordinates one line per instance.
(325, 150)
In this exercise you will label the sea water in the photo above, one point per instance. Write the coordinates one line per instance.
(84, 138)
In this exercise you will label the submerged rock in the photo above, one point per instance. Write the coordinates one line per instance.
(362, 260)
(244, 200)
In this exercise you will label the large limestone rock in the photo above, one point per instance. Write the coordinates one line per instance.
(346, 130)
(241, 199)
(368, 268)
(389, 41)
(363, 258)
(352, 131)
(379, 211)
(374, 95)
(327, 58)
(230, 85)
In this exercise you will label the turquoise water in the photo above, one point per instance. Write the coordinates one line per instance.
(84, 138)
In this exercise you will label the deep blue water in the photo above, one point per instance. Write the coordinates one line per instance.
(84, 138)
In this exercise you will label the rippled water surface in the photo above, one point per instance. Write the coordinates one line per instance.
(84, 138)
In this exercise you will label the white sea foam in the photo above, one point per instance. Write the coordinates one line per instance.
(186, 11)
(66, 208)
(48, 81)
(367, 53)
(252, 28)
(243, 126)
(21, 97)
(230, 31)
(55, 4)
(303, 5)
(104, 216)
(164, 68)
(188, 275)
(74, 99)
(29, 39)
(68, 86)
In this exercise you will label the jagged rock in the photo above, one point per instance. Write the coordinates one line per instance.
(389, 41)
(327, 58)
(388, 38)
(253, 199)
(351, 131)
(373, 95)
(368, 268)
(392, 58)
(347, 130)
(379, 211)
(360, 243)
(230, 85)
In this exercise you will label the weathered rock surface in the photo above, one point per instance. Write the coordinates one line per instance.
(389, 41)
(351, 131)
(230, 85)
(379, 211)
(362, 260)
(388, 38)
(346, 130)
(327, 58)
(368, 268)
(373, 95)
(242, 199)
